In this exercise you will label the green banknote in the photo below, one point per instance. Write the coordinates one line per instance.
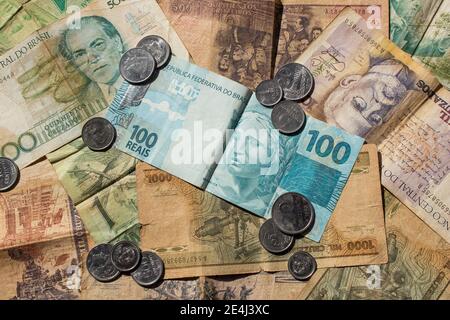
(102, 186)
(8, 8)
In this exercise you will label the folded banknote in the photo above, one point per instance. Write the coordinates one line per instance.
(188, 115)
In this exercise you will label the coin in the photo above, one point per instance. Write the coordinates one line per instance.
(293, 213)
(150, 270)
(272, 239)
(269, 93)
(288, 117)
(302, 265)
(98, 134)
(137, 65)
(296, 81)
(9, 174)
(158, 47)
(125, 256)
(99, 263)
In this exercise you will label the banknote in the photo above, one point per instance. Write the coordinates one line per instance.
(233, 38)
(303, 21)
(208, 236)
(188, 112)
(8, 8)
(102, 186)
(186, 106)
(25, 17)
(260, 286)
(369, 87)
(415, 252)
(409, 20)
(36, 210)
(47, 270)
(434, 47)
(51, 84)
(322, 155)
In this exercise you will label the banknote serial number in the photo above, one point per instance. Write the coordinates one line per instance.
(185, 260)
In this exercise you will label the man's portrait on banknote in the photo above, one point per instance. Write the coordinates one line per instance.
(362, 102)
(95, 50)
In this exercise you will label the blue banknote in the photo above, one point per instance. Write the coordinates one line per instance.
(213, 133)
(179, 124)
(316, 163)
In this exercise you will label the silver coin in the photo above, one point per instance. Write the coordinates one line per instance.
(137, 65)
(9, 174)
(288, 117)
(302, 265)
(98, 134)
(99, 263)
(293, 213)
(150, 269)
(269, 93)
(272, 239)
(125, 256)
(296, 81)
(158, 47)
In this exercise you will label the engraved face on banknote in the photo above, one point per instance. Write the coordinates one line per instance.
(362, 102)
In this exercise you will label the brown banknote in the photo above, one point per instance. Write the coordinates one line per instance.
(198, 234)
(233, 38)
(302, 21)
(418, 268)
(50, 267)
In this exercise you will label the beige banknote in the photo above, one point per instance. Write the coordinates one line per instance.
(233, 38)
(61, 75)
(434, 47)
(197, 233)
(418, 268)
(369, 87)
(36, 210)
(22, 17)
(103, 188)
(302, 21)
(260, 286)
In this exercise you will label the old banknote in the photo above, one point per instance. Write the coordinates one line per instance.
(61, 75)
(369, 87)
(185, 119)
(36, 210)
(409, 20)
(418, 268)
(303, 21)
(208, 236)
(233, 38)
(48, 270)
(260, 286)
(434, 47)
(22, 17)
(103, 188)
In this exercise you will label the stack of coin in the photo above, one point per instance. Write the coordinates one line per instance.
(293, 82)
(106, 263)
(292, 215)
(138, 65)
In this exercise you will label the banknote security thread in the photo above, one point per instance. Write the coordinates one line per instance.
(137, 65)
(158, 47)
(150, 270)
(293, 213)
(302, 265)
(272, 239)
(269, 93)
(288, 117)
(296, 81)
(98, 134)
(125, 256)
(100, 265)
(9, 174)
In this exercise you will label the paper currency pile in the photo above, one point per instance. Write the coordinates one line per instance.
(218, 149)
